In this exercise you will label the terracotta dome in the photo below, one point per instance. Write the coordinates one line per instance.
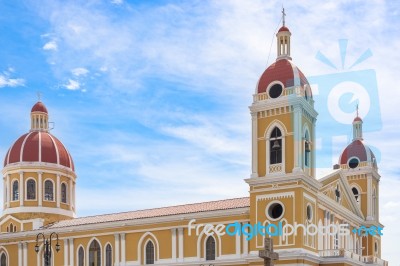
(284, 28)
(41, 147)
(357, 150)
(357, 119)
(282, 70)
(39, 107)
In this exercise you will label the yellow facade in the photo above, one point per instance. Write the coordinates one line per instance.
(283, 190)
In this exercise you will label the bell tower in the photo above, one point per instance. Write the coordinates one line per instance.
(283, 117)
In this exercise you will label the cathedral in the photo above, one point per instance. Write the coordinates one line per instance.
(39, 226)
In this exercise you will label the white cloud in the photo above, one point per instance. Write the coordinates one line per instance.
(80, 71)
(50, 46)
(6, 81)
(72, 85)
(117, 2)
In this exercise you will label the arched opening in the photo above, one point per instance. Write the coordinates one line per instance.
(94, 254)
(210, 248)
(31, 189)
(108, 255)
(150, 253)
(307, 149)
(3, 260)
(15, 190)
(48, 190)
(356, 194)
(63, 193)
(81, 256)
(275, 145)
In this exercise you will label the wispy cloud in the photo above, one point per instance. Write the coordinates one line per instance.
(7, 81)
(51, 45)
(72, 85)
(80, 71)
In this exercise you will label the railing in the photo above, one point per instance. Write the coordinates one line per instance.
(287, 91)
(342, 253)
(275, 168)
(361, 164)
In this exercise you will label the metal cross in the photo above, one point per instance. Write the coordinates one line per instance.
(283, 16)
(268, 253)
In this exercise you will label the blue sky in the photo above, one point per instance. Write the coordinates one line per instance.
(151, 97)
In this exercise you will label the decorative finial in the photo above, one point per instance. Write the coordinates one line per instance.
(357, 109)
(283, 16)
(39, 95)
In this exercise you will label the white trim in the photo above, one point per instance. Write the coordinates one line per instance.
(269, 205)
(173, 243)
(84, 255)
(278, 124)
(272, 84)
(145, 252)
(156, 247)
(116, 258)
(123, 248)
(56, 148)
(105, 254)
(88, 248)
(282, 195)
(39, 210)
(21, 153)
(3, 250)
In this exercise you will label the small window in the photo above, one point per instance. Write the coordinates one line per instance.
(15, 190)
(31, 189)
(149, 253)
(63, 193)
(210, 248)
(275, 211)
(48, 190)
(108, 255)
(353, 162)
(275, 91)
(309, 212)
(337, 194)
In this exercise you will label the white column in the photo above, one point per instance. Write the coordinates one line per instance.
(297, 139)
(173, 244)
(180, 243)
(25, 253)
(254, 145)
(116, 250)
(21, 188)
(8, 190)
(245, 245)
(58, 192)
(71, 202)
(66, 252)
(237, 245)
(123, 246)
(20, 254)
(369, 198)
(71, 252)
(40, 188)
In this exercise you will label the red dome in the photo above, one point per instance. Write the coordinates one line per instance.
(39, 107)
(357, 149)
(284, 71)
(41, 147)
(357, 119)
(283, 28)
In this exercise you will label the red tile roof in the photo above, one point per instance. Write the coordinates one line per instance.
(157, 212)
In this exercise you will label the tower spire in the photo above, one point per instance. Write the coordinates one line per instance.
(357, 127)
(283, 39)
(283, 16)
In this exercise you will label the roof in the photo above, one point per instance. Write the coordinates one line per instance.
(157, 212)
(282, 70)
(39, 107)
(357, 149)
(283, 28)
(39, 146)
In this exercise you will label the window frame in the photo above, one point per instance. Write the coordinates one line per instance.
(13, 198)
(149, 258)
(27, 192)
(52, 190)
(210, 247)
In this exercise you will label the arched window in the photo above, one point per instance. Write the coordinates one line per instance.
(48, 190)
(108, 255)
(307, 149)
(15, 190)
(31, 189)
(94, 254)
(275, 146)
(81, 256)
(3, 260)
(210, 248)
(356, 194)
(149, 253)
(63, 193)
(337, 194)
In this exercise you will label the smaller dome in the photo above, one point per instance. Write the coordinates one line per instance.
(39, 107)
(357, 119)
(355, 153)
(284, 28)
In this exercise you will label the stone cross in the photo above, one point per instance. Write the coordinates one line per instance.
(268, 253)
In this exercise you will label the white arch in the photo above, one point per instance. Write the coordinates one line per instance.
(88, 248)
(157, 257)
(3, 250)
(218, 250)
(105, 253)
(276, 123)
(205, 246)
(77, 254)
